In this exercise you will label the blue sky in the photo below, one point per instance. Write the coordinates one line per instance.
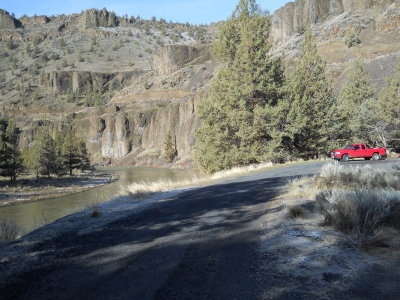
(192, 11)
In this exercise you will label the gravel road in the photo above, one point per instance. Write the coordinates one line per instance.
(201, 244)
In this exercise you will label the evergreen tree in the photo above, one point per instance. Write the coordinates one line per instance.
(42, 156)
(10, 158)
(388, 107)
(70, 152)
(84, 163)
(310, 100)
(246, 87)
(48, 157)
(170, 149)
(356, 102)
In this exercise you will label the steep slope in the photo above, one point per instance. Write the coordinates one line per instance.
(371, 25)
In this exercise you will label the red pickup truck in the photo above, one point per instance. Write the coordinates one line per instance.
(358, 151)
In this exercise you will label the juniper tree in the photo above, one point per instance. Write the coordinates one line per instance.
(357, 105)
(170, 151)
(70, 152)
(10, 157)
(310, 100)
(42, 156)
(388, 107)
(248, 83)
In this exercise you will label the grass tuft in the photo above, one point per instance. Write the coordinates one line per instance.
(362, 214)
(361, 202)
(296, 211)
(9, 230)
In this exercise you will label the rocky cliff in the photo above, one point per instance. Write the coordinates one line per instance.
(7, 21)
(290, 18)
(98, 18)
(155, 74)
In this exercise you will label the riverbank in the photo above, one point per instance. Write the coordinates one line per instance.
(238, 232)
(29, 189)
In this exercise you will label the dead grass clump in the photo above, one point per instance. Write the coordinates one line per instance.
(9, 230)
(296, 212)
(362, 214)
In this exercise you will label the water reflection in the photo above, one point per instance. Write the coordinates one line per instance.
(33, 215)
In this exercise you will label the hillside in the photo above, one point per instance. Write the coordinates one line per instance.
(125, 83)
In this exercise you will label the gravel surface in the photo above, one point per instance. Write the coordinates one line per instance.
(207, 243)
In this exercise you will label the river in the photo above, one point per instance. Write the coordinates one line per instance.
(33, 215)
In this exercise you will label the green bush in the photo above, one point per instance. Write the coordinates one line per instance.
(352, 40)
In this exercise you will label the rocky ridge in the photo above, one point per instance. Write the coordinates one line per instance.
(152, 75)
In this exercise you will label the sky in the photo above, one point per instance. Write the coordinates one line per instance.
(192, 11)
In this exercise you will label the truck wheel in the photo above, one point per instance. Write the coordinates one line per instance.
(376, 156)
(345, 158)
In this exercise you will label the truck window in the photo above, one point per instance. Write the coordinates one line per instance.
(356, 147)
(363, 147)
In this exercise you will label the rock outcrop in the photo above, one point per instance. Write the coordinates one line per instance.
(174, 57)
(7, 21)
(61, 82)
(35, 21)
(287, 20)
(93, 18)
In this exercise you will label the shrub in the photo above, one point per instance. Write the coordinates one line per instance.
(10, 44)
(337, 176)
(37, 39)
(9, 230)
(352, 40)
(296, 212)
(170, 151)
(95, 212)
(362, 214)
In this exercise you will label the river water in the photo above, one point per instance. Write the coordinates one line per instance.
(33, 215)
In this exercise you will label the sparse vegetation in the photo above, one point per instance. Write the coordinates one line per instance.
(170, 151)
(9, 230)
(296, 211)
(363, 203)
(352, 40)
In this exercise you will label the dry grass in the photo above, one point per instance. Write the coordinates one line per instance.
(335, 176)
(361, 202)
(142, 190)
(9, 230)
(303, 187)
(364, 215)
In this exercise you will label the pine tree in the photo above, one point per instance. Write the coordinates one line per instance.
(10, 157)
(70, 152)
(249, 83)
(48, 157)
(310, 102)
(42, 156)
(170, 149)
(356, 100)
(388, 108)
(84, 163)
